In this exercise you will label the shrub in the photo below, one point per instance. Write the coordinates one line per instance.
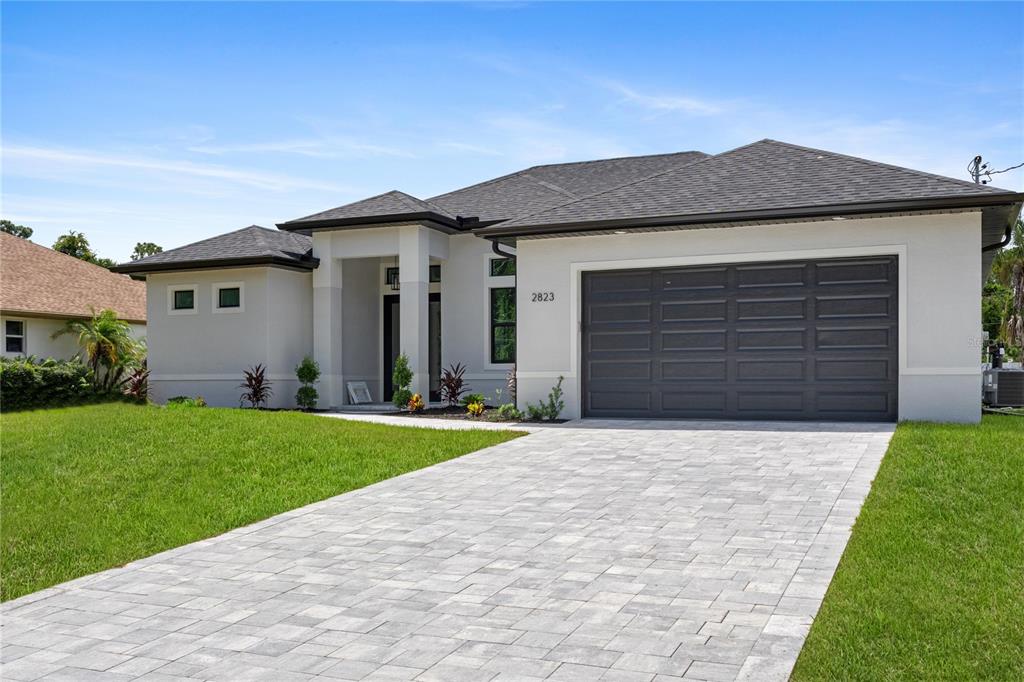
(308, 373)
(108, 345)
(27, 383)
(416, 403)
(509, 413)
(473, 398)
(401, 379)
(136, 386)
(545, 411)
(475, 409)
(452, 384)
(257, 387)
(179, 401)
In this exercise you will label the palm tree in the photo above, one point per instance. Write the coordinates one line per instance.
(108, 344)
(1008, 270)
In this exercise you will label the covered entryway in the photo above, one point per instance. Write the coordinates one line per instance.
(809, 339)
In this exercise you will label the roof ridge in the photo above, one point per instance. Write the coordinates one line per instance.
(201, 241)
(36, 245)
(631, 182)
(880, 164)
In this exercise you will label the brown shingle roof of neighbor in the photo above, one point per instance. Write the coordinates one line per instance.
(760, 176)
(253, 245)
(35, 280)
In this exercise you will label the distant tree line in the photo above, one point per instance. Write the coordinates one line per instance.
(76, 245)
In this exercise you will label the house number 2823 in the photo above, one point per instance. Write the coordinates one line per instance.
(542, 296)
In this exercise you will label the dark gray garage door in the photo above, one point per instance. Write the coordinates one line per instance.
(781, 340)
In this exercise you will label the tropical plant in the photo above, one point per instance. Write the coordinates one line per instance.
(452, 384)
(144, 249)
(546, 411)
(136, 386)
(108, 346)
(15, 229)
(401, 379)
(468, 400)
(76, 245)
(509, 413)
(475, 409)
(308, 373)
(257, 387)
(416, 403)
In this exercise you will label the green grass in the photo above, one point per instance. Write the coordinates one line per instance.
(88, 488)
(931, 586)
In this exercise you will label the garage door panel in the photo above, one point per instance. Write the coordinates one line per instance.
(793, 340)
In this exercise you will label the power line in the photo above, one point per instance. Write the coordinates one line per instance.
(977, 168)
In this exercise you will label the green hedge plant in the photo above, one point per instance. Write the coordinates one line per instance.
(308, 373)
(27, 383)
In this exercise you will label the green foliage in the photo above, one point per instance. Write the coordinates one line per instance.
(401, 397)
(90, 488)
(468, 400)
(509, 413)
(136, 386)
(546, 411)
(179, 401)
(257, 387)
(994, 300)
(109, 347)
(475, 408)
(308, 373)
(144, 249)
(401, 379)
(17, 230)
(76, 245)
(28, 383)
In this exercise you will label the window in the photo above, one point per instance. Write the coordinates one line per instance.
(229, 297)
(503, 325)
(391, 275)
(503, 267)
(435, 273)
(14, 336)
(184, 299)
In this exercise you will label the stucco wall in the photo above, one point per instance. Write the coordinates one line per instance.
(940, 316)
(361, 308)
(204, 353)
(38, 331)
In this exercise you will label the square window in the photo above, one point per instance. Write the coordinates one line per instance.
(184, 299)
(503, 267)
(230, 297)
(435, 273)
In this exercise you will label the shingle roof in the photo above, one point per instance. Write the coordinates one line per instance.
(393, 203)
(251, 245)
(763, 175)
(542, 187)
(40, 281)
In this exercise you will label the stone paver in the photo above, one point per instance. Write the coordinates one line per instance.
(599, 550)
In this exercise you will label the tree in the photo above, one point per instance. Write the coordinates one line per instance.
(1008, 270)
(143, 249)
(108, 345)
(17, 230)
(76, 245)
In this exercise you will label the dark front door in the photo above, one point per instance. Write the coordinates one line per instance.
(812, 339)
(393, 342)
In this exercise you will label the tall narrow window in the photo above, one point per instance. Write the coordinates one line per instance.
(503, 325)
(14, 336)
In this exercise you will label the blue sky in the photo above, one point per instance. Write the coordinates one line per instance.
(175, 122)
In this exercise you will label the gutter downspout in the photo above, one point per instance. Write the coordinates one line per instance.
(998, 245)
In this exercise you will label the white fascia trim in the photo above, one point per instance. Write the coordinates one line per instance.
(215, 297)
(171, 288)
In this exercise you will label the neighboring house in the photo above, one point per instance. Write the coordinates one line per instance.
(41, 289)
(771, 281)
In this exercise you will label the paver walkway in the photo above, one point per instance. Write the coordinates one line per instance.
(602, 550)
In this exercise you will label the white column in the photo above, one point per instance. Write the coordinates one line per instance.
(414, 276)
(327, 321)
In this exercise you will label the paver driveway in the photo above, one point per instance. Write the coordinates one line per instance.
(608, 550)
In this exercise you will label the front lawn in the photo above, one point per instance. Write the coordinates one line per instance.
(931, 586)
(88, 488)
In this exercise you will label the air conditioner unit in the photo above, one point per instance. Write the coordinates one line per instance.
(1003, 388)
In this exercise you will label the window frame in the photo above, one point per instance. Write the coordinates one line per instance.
(23, 336)
(492, 325)
(172, 289)
(215, 298)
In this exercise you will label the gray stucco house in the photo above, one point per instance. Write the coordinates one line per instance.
(771, 281)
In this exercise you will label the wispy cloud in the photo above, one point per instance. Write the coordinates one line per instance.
(50, 162)
(663, 102)
(468, 148)
(324, 148)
